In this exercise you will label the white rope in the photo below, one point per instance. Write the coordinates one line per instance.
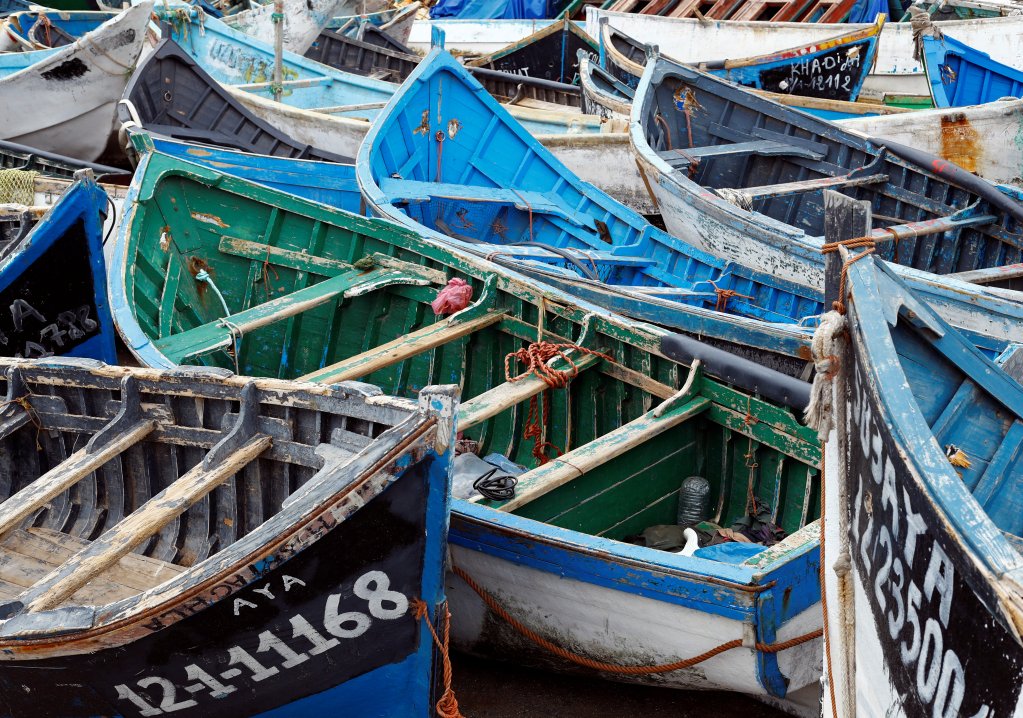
(826, 349)
(737, 197)
(236, 339)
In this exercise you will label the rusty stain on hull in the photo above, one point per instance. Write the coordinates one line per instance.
(960, 141)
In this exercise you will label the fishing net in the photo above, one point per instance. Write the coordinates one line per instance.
(17, 187)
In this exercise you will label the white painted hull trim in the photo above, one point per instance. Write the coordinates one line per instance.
(985, 139)
(71, 95)
(622, 628)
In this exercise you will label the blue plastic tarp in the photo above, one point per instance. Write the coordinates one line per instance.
(867, 10)
(492, 9)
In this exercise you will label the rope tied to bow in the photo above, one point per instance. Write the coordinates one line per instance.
(447, 705)
(581, 660)
(536, 357)
(868, 242)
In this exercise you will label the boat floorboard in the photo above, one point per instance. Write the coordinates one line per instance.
(26, 556)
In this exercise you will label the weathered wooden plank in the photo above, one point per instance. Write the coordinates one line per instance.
(119, 541)
(401, 349)
(59, 479)
(784, 189)
(575, 463)
(493, 402)
(220, 333)
(989, 275)
(54, 547)
(844, 218)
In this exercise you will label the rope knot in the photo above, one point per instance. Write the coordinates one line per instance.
(536, 357)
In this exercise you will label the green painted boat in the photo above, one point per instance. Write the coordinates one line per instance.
(211, 270)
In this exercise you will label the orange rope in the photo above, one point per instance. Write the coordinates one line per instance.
(723, 295)
(535, 357)
(838, 305)
(267, 268)
(528, 207)
(33, 417)
(539, 640)
(447, 706)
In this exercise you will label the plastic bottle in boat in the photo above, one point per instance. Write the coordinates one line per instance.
(692, 500)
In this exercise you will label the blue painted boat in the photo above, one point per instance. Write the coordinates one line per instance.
(923, 511)
(625, 57)
(285, 558)
(42, 28)
(234, 58)
(474, 178)
(832, 69)
(330, 183)
(553, 551)
(53, 281)
(959, 75)
(752, 191)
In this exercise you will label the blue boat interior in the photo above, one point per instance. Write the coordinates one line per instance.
(773, 163)
(970, 405)
(958, 75)
(57, 28)
(449, 158)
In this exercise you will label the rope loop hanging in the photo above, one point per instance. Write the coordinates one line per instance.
(536, 357)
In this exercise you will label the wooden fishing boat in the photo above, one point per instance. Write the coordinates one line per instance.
(980, 139)
(298, 305)
(550, 54)
(21, 157)
(830, 69)
(329, 183)
(808, 11)
(218, 545)
(361, 58)
(603, 93)
(303, 21)
(42, 28)
(233, 58)
(74, 89)
(607, 96)
(388, 28)
(169, 94)
(895, 71)
(923, 476)
(474, 37)
(52, 273)
(958, 75)
(752, 191)
(491, 188)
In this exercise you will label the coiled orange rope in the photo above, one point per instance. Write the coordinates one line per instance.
(614, 667)
(535, 357)
(447, 706)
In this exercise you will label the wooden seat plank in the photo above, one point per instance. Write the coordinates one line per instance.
(19, 506)
(402, 348)
(784, 189)
(138, 526)
(217, 334)
(493, 402)
(55, 547)
(562, 469)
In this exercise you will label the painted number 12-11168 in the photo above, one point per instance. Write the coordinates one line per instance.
(373, 587)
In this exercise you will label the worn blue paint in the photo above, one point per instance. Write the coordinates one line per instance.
(234, 58)
(83, 203)
(959, 75)
(325, 182)
(489, 186)
(789, 229)
(75, 23)
(711, 587)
